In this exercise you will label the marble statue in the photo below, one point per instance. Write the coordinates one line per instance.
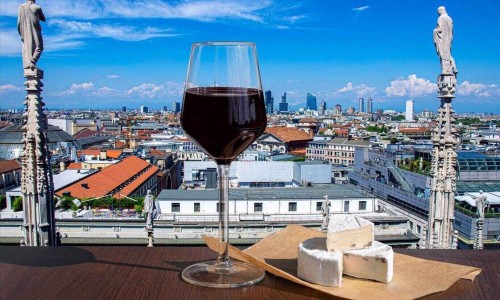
(149, 206)
(481, 203)
(30, 30)
(443, 37)
(325, 211)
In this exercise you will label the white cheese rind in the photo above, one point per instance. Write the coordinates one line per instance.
(346, 232)
(317, 265)
(375, 262)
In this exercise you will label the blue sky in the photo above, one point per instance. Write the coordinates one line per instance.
(108, 54)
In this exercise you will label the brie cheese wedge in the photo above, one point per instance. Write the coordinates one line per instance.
(317, 265)
(375, 262)
(346, 232)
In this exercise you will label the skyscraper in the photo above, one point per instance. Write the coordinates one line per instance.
(176, 107)
(283, 105)
(361, 105)
(369, 105)
(124, 108)
(322, 108)
(311, 102)
(269, 100)
(409, 110)
(144, 109)
(338, 109)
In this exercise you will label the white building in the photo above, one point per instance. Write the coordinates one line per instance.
(278, 204)
(409, 110)
(254, 174)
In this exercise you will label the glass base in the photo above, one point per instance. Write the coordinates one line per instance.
(211, 275)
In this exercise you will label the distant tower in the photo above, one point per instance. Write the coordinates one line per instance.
(124, 109)
(369, 105)
(311, 102)
(176, 107)
(144, 109)
(283, 104)
(409, 111)
(351, 111)
(322, 108)
(338, 109)
(269, 100)
(361, 104)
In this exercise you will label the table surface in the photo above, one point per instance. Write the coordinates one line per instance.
(154, 273)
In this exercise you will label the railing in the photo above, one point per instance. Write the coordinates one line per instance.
(401, 180)
(295, 219)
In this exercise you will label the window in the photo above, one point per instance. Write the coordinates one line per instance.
(176, 207)
(197, 207)
(362, 205)
(318, 206)
(346, 206)
(292, 206)
(257, 207)
(419, 229)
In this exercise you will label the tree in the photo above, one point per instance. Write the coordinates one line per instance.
(398, 118)
(394, 140)
(17, 204)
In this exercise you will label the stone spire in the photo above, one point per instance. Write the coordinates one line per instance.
(444, 156)
(36, 175)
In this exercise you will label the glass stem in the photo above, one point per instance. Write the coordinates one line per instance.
(223, 261)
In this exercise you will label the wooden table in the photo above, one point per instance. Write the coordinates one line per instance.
(154, 273)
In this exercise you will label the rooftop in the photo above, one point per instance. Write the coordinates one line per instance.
(9, 165)
(111, 179)
(288, 134)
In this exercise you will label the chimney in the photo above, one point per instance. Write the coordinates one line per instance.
(62, 166)
(103, 155)
(311, 133)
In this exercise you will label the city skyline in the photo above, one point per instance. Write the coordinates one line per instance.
(100, 54)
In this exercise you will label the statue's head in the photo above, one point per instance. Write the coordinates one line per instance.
(149, 192)
(441, 10)
(480, 191)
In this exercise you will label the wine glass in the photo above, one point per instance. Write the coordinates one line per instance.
(223, 112)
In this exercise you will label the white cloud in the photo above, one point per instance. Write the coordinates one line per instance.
(9, 88)
(112, 76)
(467, 88)
(293, 19)
(410, 87)
(77, 87)
(115, 31)
(196, 10)
(361, 90)
(146, 90)
(346, 88)
(106, 92)
(10, 42)
(361, 8)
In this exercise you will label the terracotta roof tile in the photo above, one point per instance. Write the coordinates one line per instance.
(9, 165)
(74, 166)
(111, 153)
(130, 188)
(289, 134)
(108, 179)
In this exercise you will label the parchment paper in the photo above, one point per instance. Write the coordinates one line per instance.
(413, 277)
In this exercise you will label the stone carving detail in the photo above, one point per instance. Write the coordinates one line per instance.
(36, 174)
(445, 139)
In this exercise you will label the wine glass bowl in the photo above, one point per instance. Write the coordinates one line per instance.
(223, 112)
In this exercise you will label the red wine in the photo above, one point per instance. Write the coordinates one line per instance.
(223, 121)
